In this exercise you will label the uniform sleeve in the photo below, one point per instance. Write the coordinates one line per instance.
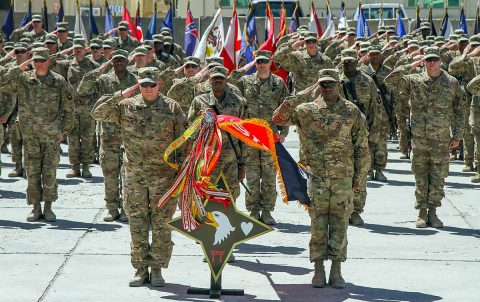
(67, 108)
(458, 112)
(193, 110)
(8, 83)
(106, 109)
(17, 34)
(395, 81)
(360, 148)
(236, 77)
(89, 84)
(474, 86)
(285, 114)
(282, 130)
(285, 56)
(377, 116)
(460, 67)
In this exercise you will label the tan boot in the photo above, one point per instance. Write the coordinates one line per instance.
(123, 216)
(86, 171)
(111, 215)
(433, 220)
(48, 213)
(356, 219)
(74, 172)
(379, 176)
(475, 179)
(255, 214)
(36, 213)
(267, 218)
(17, 172)
(319, 279)
(422, 218)
(468, 168)
(335, 279)
(404, 155)
(140, 277)
(156, 278)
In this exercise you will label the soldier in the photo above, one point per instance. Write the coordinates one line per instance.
(46, 114)
(160, 52)
(149, 123)
(80, 139)
(140, 57)
(223, 101)
(336, 156)
(124, 40)
(37, 34)
(336, 46)
(177, 49)
(100, 83)
(183, 90)
(96, 48)
(109, 46)
(435, 110)
(206, 86)
(474, 88)
(264, 92)
(62, 33)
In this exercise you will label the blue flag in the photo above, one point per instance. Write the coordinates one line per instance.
(28, 15)
(249, 41)
(152, 26)
(8, 26)
(433, 31)
(191, 33)
(109, 24)
(295, 20)
(61, 13)
(462, 21)
(168, 21)
(45, 15)
(363, 29)
(400, 28)
(93, 26)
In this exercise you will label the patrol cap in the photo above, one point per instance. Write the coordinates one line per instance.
(342, 31)
(51, 39)
(37, 44)
(8, 46)
(79, 43)
(374, 49)
(365, 44)
(109, 43)
(62, 26)
(218, 60)
(158, 38)
(459, 31)
(123, 25)
(394, 37)
(166, 31)
(120, 53)
(218, 71)
(37, 18)
(391, 31)
(381, 29)
(140, 50)
(77, 36)
(475, 40)
(462, 39)
(148, 75)
(191, 60)
(439, 39)
(303, 28)
(413, 44)
(453, 38)
(167, 40)
(328, 75)
(431, 38)
(148, 44)
(263, 54)
(96, 43)
(349, 54)
(26, 40)
(425, 43)
(310, 36)
(351, 32)
(20, 45)
(431, 52)
(425, 25)
(41, 53)
(407, 37)
(359, 39)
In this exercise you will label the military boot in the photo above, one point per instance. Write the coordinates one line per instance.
(467, 168)
(156, 278)
(123, 216)
(140, 277)
(267, 218)
(48, 213)
(370, 176)
(5, 148)
(356, 219)
(86, 171)
(111, 215)
(255, 214)
(319, 279)
(74, 172)
(475, 179)
(433, 220)
(335, 279)
(404, 155)
(17, 172)
(380, 176)
(422, 218)
(36, 213)
(453, 156)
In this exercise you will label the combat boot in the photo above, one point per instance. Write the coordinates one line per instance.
(17, 172)
(475, 179)
(453, 156)
(86, 171)
(156, 278)
(467, 168)
(111, 215)
(123, 216)
(433, 219)
(255, 214)
(421, 221)
(140, 277)
(74, 172)
(5, 148)
(404, 155)
(370, 176)
(335, 279)
(36, 213)
(48, 213)
(319, 279)
(267, 218)
(380, 176)
(356, 219)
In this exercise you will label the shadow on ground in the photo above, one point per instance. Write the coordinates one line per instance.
(290, 228)
(255, 249)
(395, 230)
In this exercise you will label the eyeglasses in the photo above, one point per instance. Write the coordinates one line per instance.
(311, 42)
(328, 84)
(95, 48)
(148, 84)
(432, 60)
(20, 51)
(122, 29)
(40, 60)
(263, 61)
(191, 66)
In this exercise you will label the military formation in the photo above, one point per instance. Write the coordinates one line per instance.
(119, 103)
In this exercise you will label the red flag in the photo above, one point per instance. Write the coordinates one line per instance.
(269, 44)
(283, 23)
(233, 42)
(314, 25)
(138, 24)
(126, 17)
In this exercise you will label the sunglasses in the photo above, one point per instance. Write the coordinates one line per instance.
(50, 43)
(61, 31)
(311, 42)
(40, 60)
(20, 51)
(432, 60)
(328, 84)
(263, 61)
(95, 48)
(122, 29)
(190, 66)
(37, 21)
(107, 47)
(148, 84)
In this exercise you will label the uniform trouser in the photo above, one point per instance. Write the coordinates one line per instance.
(41, 161)
(140, 203)
(260, 181)
(329, 213)
(430, 168)
(80, 138)
(16, 142)
(230, 171)
(111, 163)
(468, 142)
(476, 136)
(1, 140)
(360, 196)
(379, 153)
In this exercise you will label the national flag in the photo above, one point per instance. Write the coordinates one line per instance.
(399, 24)
(191, 33)
(212, 40)
(138, 24)
(363, 30)
(109, 24)
(476, 29)
(330, 30)
(126, 17)
(446, 29)
(45, 15)
(152, 26)
(168, 20)
(418, 20)
(91, 21)
(8, 25)
(269, 43)
(233, 41)
(249, 41)
(342, 19)
(381, 22)
(28, 15)
(433, 31)
(79, 27)
(295, 20)
(61, 13)
(462, 21)
(282, 31)
(314, 25)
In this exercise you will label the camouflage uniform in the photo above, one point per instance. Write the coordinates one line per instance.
(147, 130)
(183, 90)
(130, 43)
(474, 88)
(20, 33)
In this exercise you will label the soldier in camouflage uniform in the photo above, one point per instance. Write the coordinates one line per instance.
(124, 40)
(62, 33)
(474, 88)
(436, 110)
(206, 86)
(46, 114)
(99, 83)
(232, 162)
(336, 156)
(37, 34)
(80, 139)
(109, 46)
(183, 90)
(96, 48)
(149, 123)
(167, 59)
(177, 49)
(140, 57)
(264, 92)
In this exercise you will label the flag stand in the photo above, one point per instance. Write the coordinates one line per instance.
(215, 290)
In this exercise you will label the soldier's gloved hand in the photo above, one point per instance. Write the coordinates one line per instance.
(242, 171)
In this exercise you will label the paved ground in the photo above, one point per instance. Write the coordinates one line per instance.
(81, 258)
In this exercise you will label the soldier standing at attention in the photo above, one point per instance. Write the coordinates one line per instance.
(436, 112)
(336, 156)
(264, 92)
(46, 114)
(149, 122)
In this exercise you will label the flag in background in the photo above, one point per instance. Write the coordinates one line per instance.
(381, 22)
(79, 27)
(476, 29)
(61, 13)
(314, 25)
(462, 21)
(168, 20)
(191, 33)
(91, 21)
(363, 30)
(212, 40)
(45, 15)
(433, 31)
(342, 19)
(295, 20)
(399, 24)
(446, 29)
(152, 26)
(233, 41)
(330, 30)
(249, 41)
(126, 17)
(138, 24)
(418, 21)
(109, 24)
(269, 43)
(8, 25)
(28, 15)
(282, 31)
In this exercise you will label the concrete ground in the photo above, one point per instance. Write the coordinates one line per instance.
(81, 258)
